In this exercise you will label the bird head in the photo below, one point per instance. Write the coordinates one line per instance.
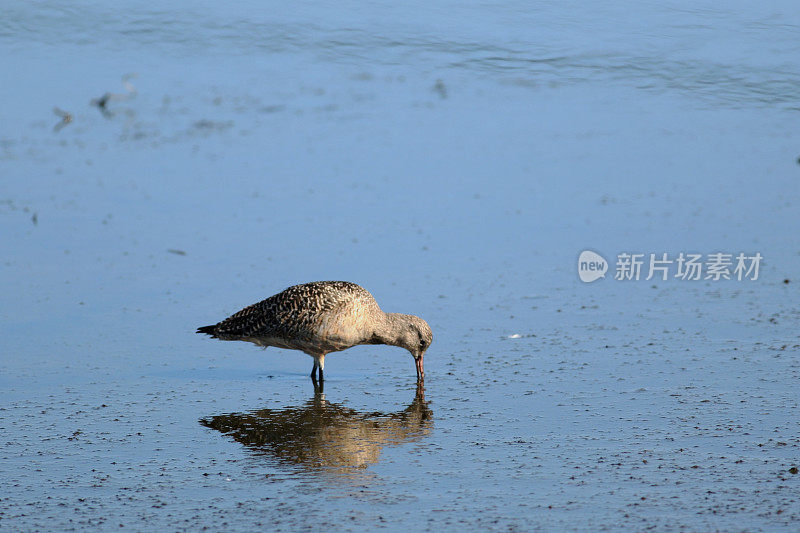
(415, 336)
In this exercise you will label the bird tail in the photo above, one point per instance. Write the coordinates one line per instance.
(208, 330)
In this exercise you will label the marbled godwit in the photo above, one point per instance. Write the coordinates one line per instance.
(322, 317)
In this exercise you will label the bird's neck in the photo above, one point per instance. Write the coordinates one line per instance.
(389, 329)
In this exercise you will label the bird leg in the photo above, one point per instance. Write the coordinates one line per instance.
(319, 363)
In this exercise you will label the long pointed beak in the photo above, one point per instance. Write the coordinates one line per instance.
(420, 369)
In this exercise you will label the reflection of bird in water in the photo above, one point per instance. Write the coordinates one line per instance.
(102, 102)
(325, 436)
(322, 317)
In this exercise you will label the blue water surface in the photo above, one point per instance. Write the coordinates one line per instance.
(454, 158)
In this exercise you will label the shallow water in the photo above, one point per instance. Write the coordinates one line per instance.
(453, 159)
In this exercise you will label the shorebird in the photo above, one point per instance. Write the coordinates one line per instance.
(323, 317)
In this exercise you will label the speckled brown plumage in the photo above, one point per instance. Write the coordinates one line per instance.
(322, 317)
(293, 315)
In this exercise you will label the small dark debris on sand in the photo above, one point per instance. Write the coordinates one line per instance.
(205, 124)
(102, 102)
(786, 281)
(66, 118)
(176, 252)
(440, 88)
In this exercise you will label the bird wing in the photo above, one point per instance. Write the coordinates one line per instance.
(294, 313)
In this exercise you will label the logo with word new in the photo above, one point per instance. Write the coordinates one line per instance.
(687, 266)
(591, 266)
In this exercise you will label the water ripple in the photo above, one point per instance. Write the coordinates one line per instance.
(554, 55)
